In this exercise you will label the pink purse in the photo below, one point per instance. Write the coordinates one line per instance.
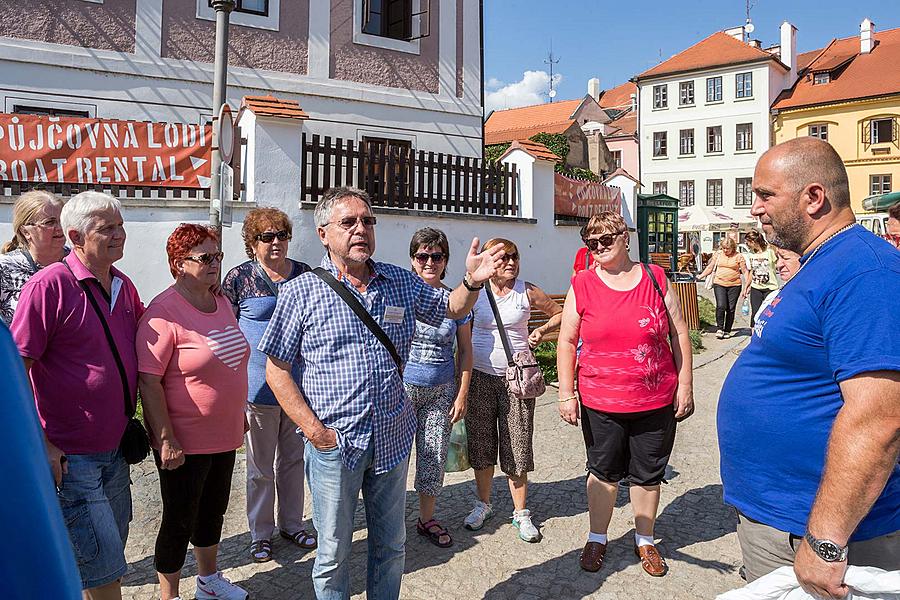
(523, 374)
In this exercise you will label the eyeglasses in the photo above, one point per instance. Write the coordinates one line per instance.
(348, 223)
(269, 236)
(47, 223)
(436, 257)
(206, 258)
(510, 257)
(606, 240)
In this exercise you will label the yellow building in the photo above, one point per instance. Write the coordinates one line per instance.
(848, 94)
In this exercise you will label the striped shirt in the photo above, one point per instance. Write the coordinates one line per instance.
(347, 377)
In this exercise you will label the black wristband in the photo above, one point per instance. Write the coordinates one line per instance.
(472, 288)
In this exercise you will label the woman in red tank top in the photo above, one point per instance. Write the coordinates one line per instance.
(634, 383)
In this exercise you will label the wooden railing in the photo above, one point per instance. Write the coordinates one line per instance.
(122, 192)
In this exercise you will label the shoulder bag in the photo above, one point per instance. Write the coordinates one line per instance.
(708, 284)
(523, 374)
(135, 445)
(364, 316)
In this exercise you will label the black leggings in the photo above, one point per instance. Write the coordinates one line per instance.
(726, 303)
(756, 300)
(194, 499)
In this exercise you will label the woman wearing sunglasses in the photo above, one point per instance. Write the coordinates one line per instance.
(192, 364)
(437, 383)
(498, 422)
(634, 382)
(274, 450)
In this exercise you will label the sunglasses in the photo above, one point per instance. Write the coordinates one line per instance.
(206, 258)
(348, 223)
(510, 257)
(606, 240)
(436, 257)
(269, 236)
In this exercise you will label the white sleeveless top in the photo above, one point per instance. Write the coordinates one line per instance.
(515, 310)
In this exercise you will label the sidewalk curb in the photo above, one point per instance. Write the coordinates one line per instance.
(709, 358)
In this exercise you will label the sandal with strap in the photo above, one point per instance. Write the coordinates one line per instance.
(434, 531)
(302, 538)
(261, 551)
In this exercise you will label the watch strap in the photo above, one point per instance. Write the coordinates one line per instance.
(817, 544)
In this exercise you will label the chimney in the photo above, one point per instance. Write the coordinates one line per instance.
(736, 32)
(634, 102)
(788, 51)
(594, 89)
(866, 36)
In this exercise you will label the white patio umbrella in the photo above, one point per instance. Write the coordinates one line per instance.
(708, 218)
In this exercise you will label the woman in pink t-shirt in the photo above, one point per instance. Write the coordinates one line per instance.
(192, 360)
(632, 384)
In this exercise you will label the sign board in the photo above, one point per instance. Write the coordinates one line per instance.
(226, 191)
(225, 131)
(42, 149)
(578, 198)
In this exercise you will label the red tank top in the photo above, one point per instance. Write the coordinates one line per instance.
(626, 364)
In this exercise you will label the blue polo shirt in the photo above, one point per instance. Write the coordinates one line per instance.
(836, 319)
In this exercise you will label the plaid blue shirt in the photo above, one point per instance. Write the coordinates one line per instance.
(347, 376)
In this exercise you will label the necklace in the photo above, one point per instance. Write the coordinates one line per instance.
(819, 247)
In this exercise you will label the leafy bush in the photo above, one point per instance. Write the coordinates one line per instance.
(707, 313)
(545, 354)
(696, 340)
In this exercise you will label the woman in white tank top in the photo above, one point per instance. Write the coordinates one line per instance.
(497, 421)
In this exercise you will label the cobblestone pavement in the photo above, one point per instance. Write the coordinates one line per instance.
(695, 528)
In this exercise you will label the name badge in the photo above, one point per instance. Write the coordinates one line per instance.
(393, 314)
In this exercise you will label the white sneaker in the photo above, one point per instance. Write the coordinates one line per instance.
(522, 521)
(218, 587)
(481, 513)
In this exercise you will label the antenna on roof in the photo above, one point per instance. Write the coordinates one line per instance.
(551, 61)
(748, 24)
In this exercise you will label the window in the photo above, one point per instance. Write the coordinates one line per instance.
(714, 192)
(743, 85)
(660, 96)
(686, 141)
(879, 184)
(743, 191)
(882, 130)
(49, 112)
(660, 187)
(379, 150)
(713, 89)
(686, 193)
(686, 93)
(744, 136)
(250, 7)
(259, 14)
(388, 18)
(820, 78)
(819, 131)
(714, 139)
(617, 158)
(660, 145)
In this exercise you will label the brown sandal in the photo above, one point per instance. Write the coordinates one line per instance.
(434, 531)
(261, 551)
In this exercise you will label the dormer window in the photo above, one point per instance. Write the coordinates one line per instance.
(821, 78)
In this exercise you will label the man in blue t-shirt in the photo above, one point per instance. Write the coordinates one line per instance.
(809, 417)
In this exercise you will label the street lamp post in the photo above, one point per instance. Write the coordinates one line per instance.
(223, 10)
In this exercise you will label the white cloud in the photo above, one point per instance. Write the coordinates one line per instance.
(531, 89)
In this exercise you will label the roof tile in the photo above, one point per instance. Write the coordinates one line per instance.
(270, 106)
(717, 50)
(535, 149)
(619, 96)
(522, 123)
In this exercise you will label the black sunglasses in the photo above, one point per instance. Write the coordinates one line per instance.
(422, 257)
(206, 258)
(606, 240)
(269, 236)
(510, 257)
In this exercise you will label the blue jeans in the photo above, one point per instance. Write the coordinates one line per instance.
(335, 491)
(95, 497)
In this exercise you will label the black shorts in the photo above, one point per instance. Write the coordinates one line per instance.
(633, 447)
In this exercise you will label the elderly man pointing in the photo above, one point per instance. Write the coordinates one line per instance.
(350, 403)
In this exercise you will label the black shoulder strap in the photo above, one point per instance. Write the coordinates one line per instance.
(655, 283)
(364, 316)
(129, 406)
(266, 279)
(503, 338)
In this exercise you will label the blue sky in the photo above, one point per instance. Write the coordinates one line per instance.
(617, 40)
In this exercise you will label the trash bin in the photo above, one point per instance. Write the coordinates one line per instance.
(686, 288)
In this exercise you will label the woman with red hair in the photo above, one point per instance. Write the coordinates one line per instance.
(192, 360)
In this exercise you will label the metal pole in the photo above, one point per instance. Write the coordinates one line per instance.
(223, 10)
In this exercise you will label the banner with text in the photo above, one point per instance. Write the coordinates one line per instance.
(579, 198)
(42, 149)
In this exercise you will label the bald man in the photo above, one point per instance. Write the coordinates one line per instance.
(809, 416)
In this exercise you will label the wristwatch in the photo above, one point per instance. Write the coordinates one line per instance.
(826, 549)
(471, 286)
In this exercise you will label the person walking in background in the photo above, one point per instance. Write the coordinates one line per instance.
(727, 268)
(761, 267)
(274, 449)
(78, 385)
(632, 385)
(497, 421)
(38, 241)
(192, 360)
(787, 264)
(807, 418)
(583, 257)
(437, 388)
(893, 226)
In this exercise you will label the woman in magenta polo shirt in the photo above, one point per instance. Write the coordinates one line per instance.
(192, 360)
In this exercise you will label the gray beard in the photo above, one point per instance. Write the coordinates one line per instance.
(790, 235)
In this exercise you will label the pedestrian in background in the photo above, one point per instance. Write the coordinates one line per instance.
(274, 449)
(787, 264)
(583, 258)
(727, 268)
(192, 360)
(761, 267)
(893, 226)
(634, 383)
(437, 382)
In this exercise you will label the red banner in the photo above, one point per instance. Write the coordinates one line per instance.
(70, 150)
(578, 198)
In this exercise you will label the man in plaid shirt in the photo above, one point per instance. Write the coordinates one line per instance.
(349, 401)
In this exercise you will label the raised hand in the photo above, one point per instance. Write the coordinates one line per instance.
(482, 266)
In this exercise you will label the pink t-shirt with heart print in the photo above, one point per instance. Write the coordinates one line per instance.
(202, 359)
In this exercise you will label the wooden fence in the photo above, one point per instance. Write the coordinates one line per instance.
(122, 192)
(399, 177)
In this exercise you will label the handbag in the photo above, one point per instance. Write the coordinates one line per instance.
(523, 374)
(135, 444)
(708, 284)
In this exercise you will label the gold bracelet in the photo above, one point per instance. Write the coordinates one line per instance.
(575, 397)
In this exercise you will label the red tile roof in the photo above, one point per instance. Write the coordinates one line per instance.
(621, 171)
(522, 123)
(270, 106)
(866, 75)
(804, 58)
(619, 96)
(535, 149)
(718, 50)
(626, 125)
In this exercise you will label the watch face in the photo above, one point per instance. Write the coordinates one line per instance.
(828, 551)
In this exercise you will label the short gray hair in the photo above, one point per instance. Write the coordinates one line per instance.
(331, 197)
(81, 210)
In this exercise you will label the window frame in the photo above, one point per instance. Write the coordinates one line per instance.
(660, 150)
(748, 136)
(881, 179)
(617, 158)
(873, 130)
(384, 27)
(825, 75)
(50, 111)
(686, 187)
(270, 21)
(714, 144)
(820, 133)
(741, 81)
(686, 93)
(715, 88)
(661, 187)
(747, 184)
(661, 96)
(715, 198)
(686, 138)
